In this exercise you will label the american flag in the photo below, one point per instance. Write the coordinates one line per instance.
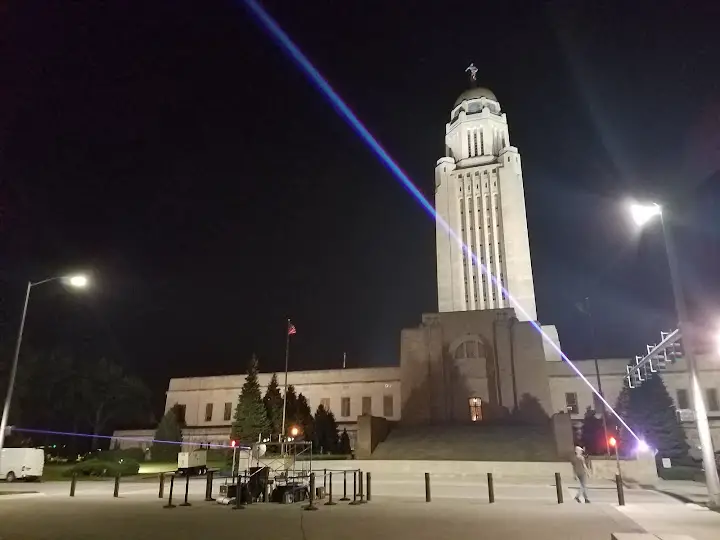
(291, 329)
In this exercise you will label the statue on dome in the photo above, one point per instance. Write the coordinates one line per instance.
(473, 72)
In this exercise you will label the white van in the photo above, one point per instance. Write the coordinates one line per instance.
(21, 463)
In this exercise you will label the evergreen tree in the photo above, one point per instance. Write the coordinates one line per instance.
(169, 429)
(345, 443)
(650, 412)
(592, 435)
(251, 418)
(291, 408)
(304, 419)
(326, 436)
(273, 402)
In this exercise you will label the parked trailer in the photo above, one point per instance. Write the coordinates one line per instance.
(192, 463)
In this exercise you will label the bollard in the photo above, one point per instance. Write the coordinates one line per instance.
(354, 499)
(361, 492)
(169, 503)
(558, 488)
(73, 482)
(209, 485)
(491, 488)
(427, 487)
(238, 495)
(311, 506)
(187, 488)
(161, 489)
(330, 501)
(246, 476)
(620, 492)
(345, 497)
(116, 491)
(367, 486)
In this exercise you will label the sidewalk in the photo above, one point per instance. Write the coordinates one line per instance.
(666, 520)
(685, 490)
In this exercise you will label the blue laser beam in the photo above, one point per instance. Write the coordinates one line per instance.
(315, 77)
(148, 440)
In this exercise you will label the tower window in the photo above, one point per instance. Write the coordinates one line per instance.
(482, 143)
(475, 142)
(469, 144)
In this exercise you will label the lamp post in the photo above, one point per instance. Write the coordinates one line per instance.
(642, 214)
(75, 281)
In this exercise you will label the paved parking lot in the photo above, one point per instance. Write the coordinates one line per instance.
(86, 517)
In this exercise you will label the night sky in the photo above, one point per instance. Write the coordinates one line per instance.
(172, 149)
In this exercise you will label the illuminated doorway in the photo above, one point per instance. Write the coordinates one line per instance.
(475, 409)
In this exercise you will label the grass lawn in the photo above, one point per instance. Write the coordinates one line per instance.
(54, 472)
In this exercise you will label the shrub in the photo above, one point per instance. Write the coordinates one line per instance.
(96, 467)
(136, 454)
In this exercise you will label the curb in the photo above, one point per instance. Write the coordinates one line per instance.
(21, 495)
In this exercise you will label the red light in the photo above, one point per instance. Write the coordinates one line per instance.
(233, 444)
(612, 442)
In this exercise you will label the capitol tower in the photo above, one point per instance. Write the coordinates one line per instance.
(479, 194)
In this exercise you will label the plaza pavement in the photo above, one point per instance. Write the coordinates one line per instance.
(397, 511)
(385, 518)
(405, 486)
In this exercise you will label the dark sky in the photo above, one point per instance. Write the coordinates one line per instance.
(172, 148)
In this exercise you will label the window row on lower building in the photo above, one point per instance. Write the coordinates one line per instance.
(347, 408)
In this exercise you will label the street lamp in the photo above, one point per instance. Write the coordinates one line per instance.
(642, 214)
(77, 281)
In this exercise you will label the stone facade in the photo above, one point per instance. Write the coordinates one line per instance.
(455, 357)
(421, 393)
(480, 201)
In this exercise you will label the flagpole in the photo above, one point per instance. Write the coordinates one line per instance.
(287, 358)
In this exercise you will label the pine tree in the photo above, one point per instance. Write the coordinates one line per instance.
(251, 418)
(592, 434)
(345, 443)
(169, 429)
(291, 408)
(273, 402)
(326, 436)
(304, 418)
(650, 412)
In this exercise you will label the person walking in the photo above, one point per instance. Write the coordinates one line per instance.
(581, 469)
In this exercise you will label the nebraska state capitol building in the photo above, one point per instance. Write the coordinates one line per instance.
(478, 357)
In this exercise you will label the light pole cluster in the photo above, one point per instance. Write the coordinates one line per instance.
(643, 214)
(77, 281)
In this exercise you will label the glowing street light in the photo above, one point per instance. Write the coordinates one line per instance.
(77, 281)
(294, 431)
(642, 214)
